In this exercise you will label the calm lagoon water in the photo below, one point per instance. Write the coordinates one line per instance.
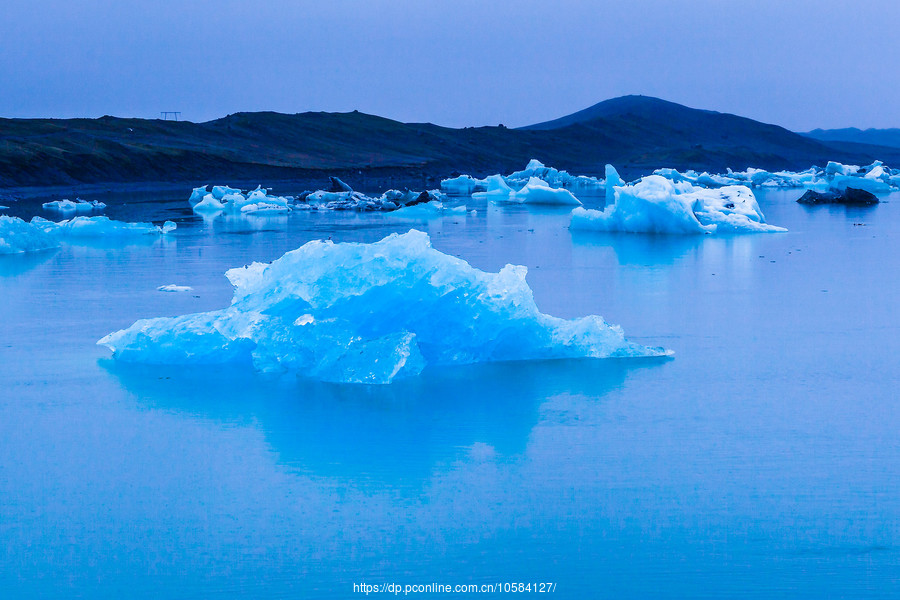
(762, 461)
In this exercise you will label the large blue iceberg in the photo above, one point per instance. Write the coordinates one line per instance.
(370, 313)
(658, 205)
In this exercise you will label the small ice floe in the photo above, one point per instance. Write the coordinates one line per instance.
(174, 288)
(428, 210)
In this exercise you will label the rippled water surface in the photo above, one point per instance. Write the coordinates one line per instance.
(762, 461)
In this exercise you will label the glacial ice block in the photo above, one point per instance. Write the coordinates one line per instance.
(464, 185)
(497, 189)
(658, 205)
(17, 236)
(538, 191)
(869, 184)
(554, 178)
(79, 206)
(100, 227)
(755, 178)
(197, 194)
(370, 313)
(611, 180)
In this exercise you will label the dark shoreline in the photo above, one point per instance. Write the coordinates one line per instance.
(70, 157)
(97, 191)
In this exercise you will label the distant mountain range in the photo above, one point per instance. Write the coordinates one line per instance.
(635, 133)
(877, 137)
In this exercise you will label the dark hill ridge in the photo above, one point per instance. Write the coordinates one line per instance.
(880, 137)
(666, 129)
(635, 133)
(627, 105)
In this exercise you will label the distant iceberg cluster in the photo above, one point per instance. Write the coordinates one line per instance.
(18, 236)
(224, 199)
(536, 184)
(539, 184)
(656, 204)
(531, 185)
(370, 313)
(78, 206)
(875, 178)
(232, 200)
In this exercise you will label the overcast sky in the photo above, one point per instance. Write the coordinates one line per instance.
(798, 63)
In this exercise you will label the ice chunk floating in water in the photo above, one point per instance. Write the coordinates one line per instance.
(17, 236)
(538, 191)
(78, 206)
(370, 313)
(101, 227)
(658, 205)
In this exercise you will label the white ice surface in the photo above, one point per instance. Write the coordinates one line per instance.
(17, 236)
(174, 288)
(658, 205)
